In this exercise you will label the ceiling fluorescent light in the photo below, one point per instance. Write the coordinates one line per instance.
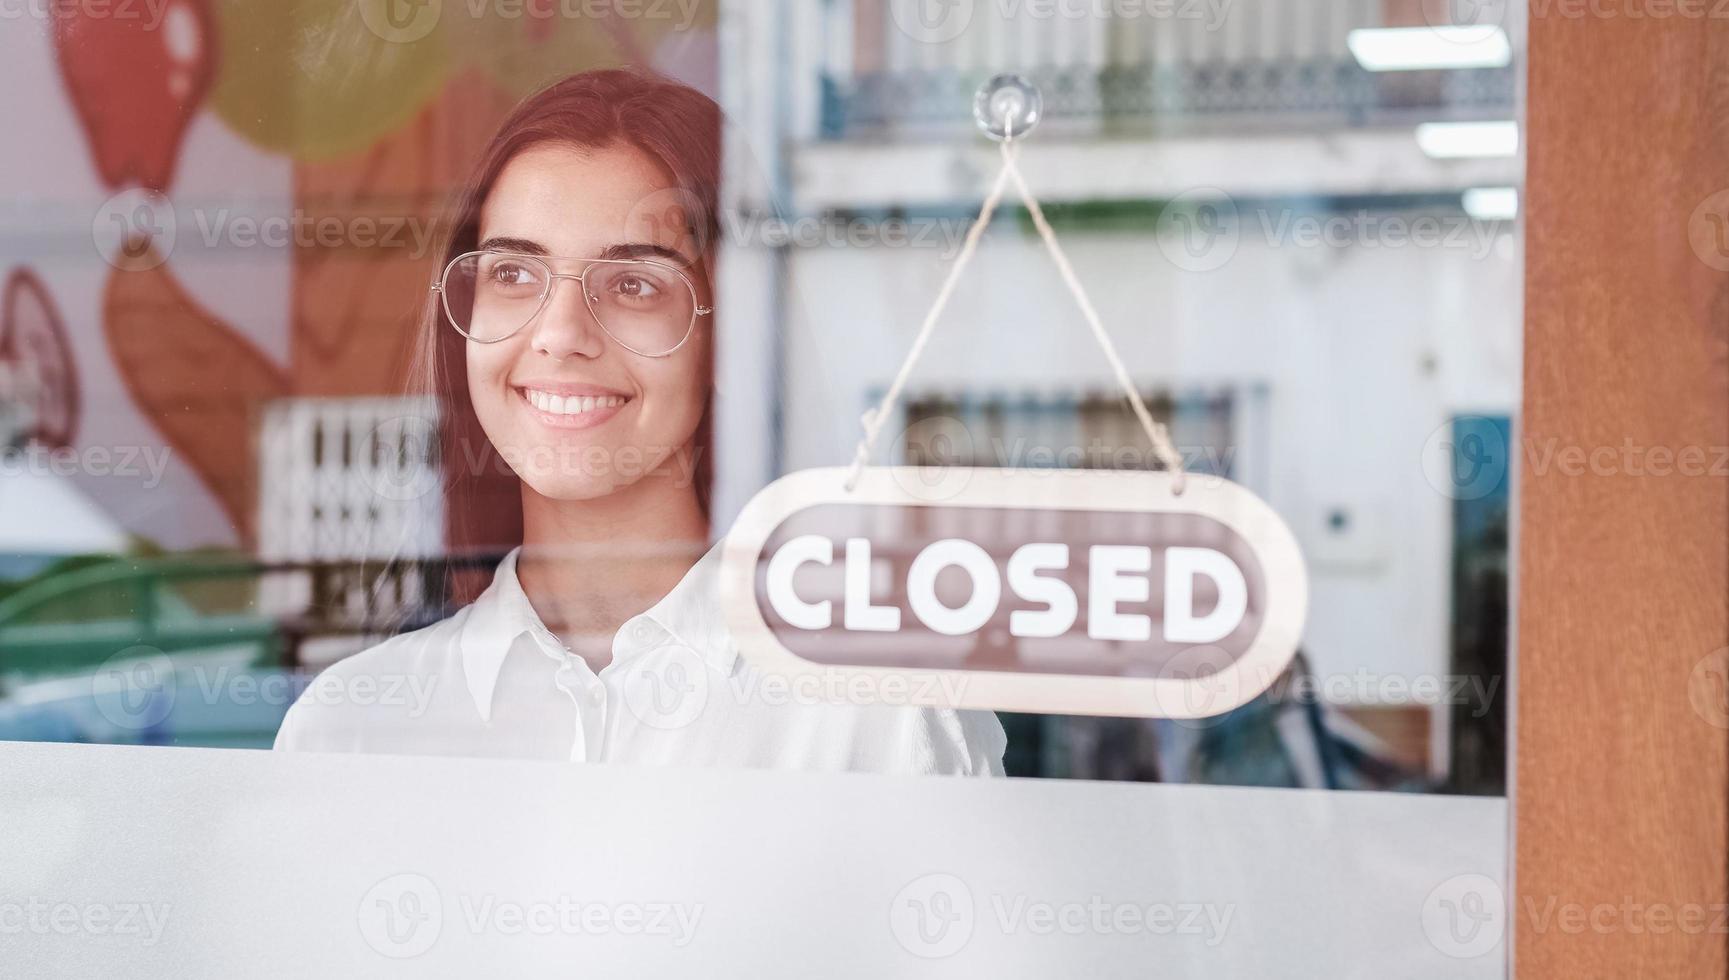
(1429, 48)
(1454, 140)
(1492, 203)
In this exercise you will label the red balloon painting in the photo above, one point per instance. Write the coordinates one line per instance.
(136, 82)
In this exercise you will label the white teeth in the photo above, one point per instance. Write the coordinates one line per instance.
(571, 405)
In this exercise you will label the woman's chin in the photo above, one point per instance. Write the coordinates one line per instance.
(567, 488)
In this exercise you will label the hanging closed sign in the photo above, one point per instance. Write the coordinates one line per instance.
(1053, 591)
(1150, 594)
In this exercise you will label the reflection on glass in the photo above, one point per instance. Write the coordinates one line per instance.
(1299, 221)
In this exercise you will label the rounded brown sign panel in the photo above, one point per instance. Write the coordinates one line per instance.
(1054, 591)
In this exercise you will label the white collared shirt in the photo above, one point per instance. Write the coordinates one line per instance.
(493, 681)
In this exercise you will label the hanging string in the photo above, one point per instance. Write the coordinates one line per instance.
(874, 419)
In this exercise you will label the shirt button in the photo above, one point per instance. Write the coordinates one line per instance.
(642, 631)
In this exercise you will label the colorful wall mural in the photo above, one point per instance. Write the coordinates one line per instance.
(220, 203)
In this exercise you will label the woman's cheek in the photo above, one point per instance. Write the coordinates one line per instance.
(488, 367)
(688, 386)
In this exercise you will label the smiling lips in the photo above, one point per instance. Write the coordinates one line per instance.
(572, 411)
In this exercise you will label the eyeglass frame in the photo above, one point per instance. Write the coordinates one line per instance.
(697, 309)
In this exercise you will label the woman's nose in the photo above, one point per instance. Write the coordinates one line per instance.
(566, 326)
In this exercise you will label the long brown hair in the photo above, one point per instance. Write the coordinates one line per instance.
(675, 126)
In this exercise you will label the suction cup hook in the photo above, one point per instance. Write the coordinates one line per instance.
(1007, 107)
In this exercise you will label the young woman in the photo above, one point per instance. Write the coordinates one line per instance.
(569, 341)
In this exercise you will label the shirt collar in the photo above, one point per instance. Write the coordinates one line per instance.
(689, 615)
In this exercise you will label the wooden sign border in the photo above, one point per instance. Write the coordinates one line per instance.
(1141, 491)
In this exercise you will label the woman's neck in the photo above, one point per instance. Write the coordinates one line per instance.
(587, 566)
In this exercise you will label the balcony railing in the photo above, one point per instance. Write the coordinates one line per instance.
(1256, 64)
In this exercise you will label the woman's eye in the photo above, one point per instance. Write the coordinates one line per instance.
(636, 287)
(512, 274)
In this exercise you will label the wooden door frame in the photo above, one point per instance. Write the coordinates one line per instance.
(1621, 787)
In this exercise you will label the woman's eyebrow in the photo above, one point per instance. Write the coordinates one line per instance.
(521, 246)
(627, 250)
(644, 250)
